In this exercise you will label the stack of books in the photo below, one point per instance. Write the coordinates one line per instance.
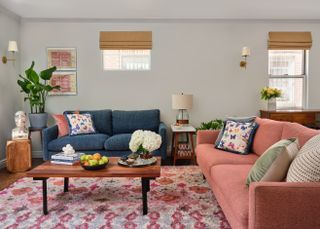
(65, 159)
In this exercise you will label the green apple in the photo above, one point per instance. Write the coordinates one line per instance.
(101, 162)
(105, 159)
(93, 162)
(88, 157)
(83, 158)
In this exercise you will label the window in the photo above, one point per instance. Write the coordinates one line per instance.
(127, 60)
(287, 71)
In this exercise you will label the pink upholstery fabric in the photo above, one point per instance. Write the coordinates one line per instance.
(284, 205)
(207, 136)
(268, 133)
(208, 156)
(296, 130)
(62, 123)
(229, 186)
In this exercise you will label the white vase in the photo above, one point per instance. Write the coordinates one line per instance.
(272, 104)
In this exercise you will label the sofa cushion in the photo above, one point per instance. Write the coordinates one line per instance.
(208, 156)
(118, 142)
(305, 167)
(268, 133)
(295, 130)
(237, 137)
(79, 142)
(129, 121)
(273, 164)
(101, 119)
(229, 186)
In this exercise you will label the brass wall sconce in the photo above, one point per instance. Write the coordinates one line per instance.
(245, 53)
(12, 47)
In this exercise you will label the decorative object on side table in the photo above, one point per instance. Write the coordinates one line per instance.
(182, 102)
(20, 131)
(271, 94)
(142, 144)
(182, 150)
(35, 87)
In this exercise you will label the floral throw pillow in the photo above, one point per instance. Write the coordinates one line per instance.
(80, 124)
(237, 137)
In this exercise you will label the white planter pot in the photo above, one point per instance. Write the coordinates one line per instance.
(272, 104)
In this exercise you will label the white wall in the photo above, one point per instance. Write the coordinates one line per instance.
(199, 57)
(10, 98)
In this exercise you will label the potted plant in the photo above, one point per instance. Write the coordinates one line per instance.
(35, 87)
(216, 124)
(270, 94)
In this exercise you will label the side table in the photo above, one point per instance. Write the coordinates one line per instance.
(31, 129)
(182, 150)
(18, 155)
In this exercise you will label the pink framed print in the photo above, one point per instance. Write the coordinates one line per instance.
(67, 82)
(65, 59)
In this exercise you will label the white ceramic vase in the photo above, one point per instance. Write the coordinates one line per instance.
(272, 104)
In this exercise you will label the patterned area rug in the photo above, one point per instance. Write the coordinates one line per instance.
(180, 198)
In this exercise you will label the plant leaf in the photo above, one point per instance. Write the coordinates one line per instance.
(47, 74)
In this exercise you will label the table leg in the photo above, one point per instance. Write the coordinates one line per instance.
(193, 153)
(145, 182)
(176, 142)
(66, 184)
(44, 194)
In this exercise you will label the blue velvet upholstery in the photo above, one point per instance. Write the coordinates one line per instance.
(79, 142)
(129, 121)
(102, 120)
(118, 142)
(115, 129)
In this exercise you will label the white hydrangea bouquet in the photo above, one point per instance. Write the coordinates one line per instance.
(145, 142)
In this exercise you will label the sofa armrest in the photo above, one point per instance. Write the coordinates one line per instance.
(48, 135)
(207, 136)
(284, 205)
(163, 133)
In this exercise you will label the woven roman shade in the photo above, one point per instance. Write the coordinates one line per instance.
(290, 40)
(126, 40)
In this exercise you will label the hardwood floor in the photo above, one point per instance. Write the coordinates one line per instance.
(7, 178)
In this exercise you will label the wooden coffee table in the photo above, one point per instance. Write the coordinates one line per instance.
(46, 170)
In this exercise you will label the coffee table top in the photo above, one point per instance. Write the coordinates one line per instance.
(47, 170)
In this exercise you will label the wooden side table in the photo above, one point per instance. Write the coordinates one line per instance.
(18, 155)
(183, 150)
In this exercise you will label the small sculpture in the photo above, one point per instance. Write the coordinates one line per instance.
(20, 132)
(68, 150)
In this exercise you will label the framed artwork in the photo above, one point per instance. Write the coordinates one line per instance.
(67, 82)
(65, 59)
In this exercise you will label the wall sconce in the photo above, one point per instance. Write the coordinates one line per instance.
(245, 53)
(12, 47)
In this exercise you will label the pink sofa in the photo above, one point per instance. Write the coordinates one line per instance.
(263, 204)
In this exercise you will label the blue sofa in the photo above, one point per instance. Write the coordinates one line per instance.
(114, 129)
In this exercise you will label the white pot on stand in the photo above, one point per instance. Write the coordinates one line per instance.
(272, 104)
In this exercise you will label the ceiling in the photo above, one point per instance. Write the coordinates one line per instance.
(165, 9)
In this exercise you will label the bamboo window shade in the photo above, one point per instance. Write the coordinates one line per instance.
(125, 40)
(289, 40)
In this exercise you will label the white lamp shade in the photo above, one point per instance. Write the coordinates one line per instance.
(245, 51)
(182, 101)
(13, 47)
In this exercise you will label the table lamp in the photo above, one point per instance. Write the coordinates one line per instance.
(182, 102)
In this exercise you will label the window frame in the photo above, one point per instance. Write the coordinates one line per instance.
(304, 76)
(120, 63)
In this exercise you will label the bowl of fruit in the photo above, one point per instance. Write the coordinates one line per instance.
(93, 162)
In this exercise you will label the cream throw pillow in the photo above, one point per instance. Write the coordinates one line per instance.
(306, 166)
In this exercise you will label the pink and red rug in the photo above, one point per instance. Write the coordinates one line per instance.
(180, 198)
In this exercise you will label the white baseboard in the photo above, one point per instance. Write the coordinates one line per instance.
(37, 154)
(3, 163)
